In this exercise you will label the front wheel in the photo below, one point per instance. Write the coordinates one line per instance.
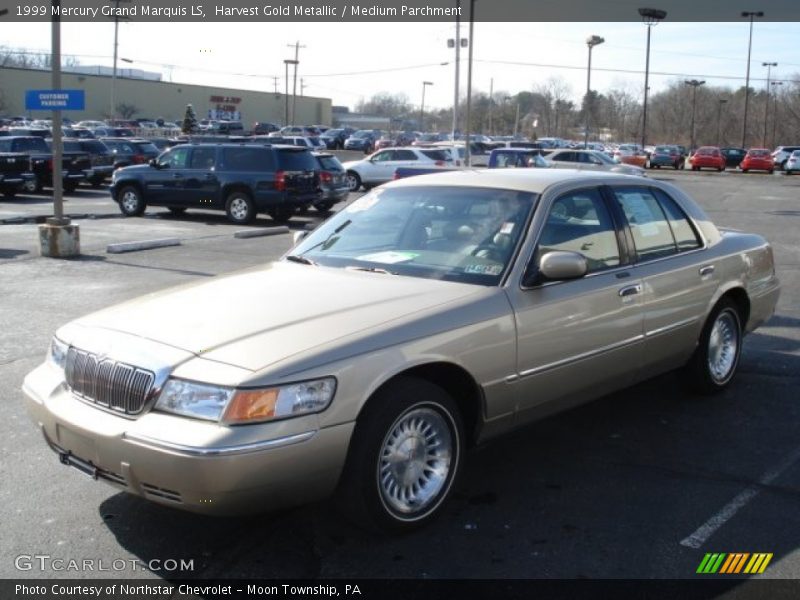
(405, 456)
(240, 208)
(32, 186)
(131, 202)
(714, 362)
(353, 181)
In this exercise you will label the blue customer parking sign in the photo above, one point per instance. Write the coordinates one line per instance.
(54, 100)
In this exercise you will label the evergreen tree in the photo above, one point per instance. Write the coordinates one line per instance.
(189, 120)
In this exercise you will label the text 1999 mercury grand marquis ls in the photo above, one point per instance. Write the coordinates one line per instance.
(429, 315)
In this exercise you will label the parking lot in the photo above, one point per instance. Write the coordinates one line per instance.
(639, 484)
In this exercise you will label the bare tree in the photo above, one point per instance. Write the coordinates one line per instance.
(126, 111)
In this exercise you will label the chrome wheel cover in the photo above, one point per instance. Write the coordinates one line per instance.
(723, 346)
(29, 186)
(352, 183)
(130, 201)
(239, 208)
(415, 461)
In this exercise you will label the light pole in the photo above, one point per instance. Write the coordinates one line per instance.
(769, 66)
(695, 84)
(775, 111)
(287, 62)
(591, 41)
(650, 17)
(751, 16)
(721, 101)
(457, 43)
(422, 106)
(467, 157)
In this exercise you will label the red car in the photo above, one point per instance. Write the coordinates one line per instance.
(708, 157)
(757, 159)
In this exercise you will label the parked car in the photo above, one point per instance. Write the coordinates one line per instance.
(505, 158)
(589, 159)
(733, 156)
(334, 138)
(113, 132)
(757, 159)
(630, 154)
(782, 154)
(707, 157)
(303, 131)
(91, 125)
(427, 317)
(427, 139)
(379, 168)
(312, 143)
(263, 128)
(100, 156)
(332, 181)
(363, 139)
(241, 179)
(75, 166)
(792, 163)
(130, 151)
(81, 133)
(666, 156)
(15, 171)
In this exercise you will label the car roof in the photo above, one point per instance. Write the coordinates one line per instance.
(524, 180)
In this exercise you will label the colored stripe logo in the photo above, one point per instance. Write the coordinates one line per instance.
(734, 563)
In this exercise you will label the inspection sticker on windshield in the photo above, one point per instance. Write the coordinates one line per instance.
(507, 228)
(389, 257)
(478, 269)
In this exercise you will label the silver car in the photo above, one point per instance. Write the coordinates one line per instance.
(592, 160)
(428, 316)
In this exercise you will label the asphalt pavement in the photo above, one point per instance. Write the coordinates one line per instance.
(639, 484)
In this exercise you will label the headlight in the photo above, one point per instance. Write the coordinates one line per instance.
(235, 406)
(58, 353)
(191, 399)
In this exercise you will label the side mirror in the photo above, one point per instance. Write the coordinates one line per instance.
(299, 236)
(153, 163)
(557, 265)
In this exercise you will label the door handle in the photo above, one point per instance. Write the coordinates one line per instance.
(177, 176)
(707, 270)
(630, 290)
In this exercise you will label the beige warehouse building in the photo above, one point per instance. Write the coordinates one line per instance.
(158, 99)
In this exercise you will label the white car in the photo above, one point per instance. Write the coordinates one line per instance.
(590, 160)
(91, 124)
(792, 163)
(379, 167)
(304, 141)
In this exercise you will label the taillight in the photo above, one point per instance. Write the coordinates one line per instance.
(325, 177)
(280, 181)
(439, 163)
(50, 164)
(138, 159)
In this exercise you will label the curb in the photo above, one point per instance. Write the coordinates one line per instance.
(142, 245)
(38, 219)
(251, 233)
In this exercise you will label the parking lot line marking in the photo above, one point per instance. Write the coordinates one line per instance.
(707, 529)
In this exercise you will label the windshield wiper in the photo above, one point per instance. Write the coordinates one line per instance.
(301, 259)
(371, 270)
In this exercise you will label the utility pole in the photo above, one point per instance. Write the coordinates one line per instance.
(275, 83)
(769, 66)
(297, 47)
(748, 15)
(491, 101)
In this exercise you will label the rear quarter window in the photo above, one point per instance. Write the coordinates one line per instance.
(330, 163)
(442, 155)
(247, 159)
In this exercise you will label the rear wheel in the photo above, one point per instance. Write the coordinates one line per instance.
(324, 207)
(176, 210)
(240, 209)
(70, 187)
(714, 362)
(405, 455)
(131, 202)
(353, 181)
(9, 193)
(32, 186)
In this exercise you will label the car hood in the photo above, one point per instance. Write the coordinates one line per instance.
(255, 318)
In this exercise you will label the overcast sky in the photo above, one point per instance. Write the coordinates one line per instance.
(351, 61)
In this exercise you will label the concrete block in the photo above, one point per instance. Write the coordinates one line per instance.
(251, 233)
(142, 245)
(59, 240)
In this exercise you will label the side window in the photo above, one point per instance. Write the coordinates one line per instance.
(176, 158)
(685, 235)
(203, 158)
(247, 159)
(383, 156)
(404, 155)
(564, 157)
(580, 222)
(652, 234)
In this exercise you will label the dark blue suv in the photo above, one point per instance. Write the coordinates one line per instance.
(241, 179)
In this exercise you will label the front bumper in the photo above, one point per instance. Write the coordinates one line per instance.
(189, 464)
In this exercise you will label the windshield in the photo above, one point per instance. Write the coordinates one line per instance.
(461, 234)
(603, 158)
(361, 134)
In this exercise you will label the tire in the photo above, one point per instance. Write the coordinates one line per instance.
(70, 187)
(131, 202)
(31, 186)
(405, 455)
(239, 208)
(9, 193)
(176, 210)
(714, 362)
(281, 214)
(771, 171)
(744, 170)
(324, 207)
(721, 169)
(96, 184)
(353, 181)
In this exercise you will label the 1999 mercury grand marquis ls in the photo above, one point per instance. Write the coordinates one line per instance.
(428, 315)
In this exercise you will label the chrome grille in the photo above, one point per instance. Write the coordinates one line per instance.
(109, 383)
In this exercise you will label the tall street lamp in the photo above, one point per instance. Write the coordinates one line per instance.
(775, 110)
(650, 17)
(287, 62)
(422, 106)
(721, 101)
(695, 84)
(457, 43)
(751, 16)
(591, 41)
(769, 66)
